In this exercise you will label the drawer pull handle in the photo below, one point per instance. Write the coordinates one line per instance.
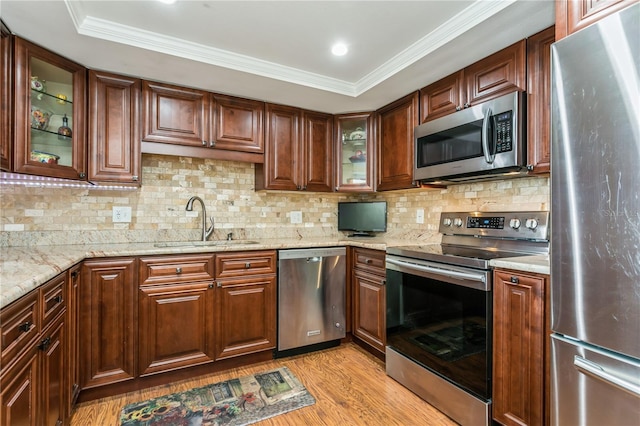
(515, 280)
(178, 270)
(247, 265)
(368, 261)
(57, 299)
(44, 344)
(25, 327)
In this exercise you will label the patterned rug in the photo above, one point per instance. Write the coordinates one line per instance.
(241, 401)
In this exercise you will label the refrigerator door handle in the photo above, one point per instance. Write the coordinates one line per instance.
(594, 370)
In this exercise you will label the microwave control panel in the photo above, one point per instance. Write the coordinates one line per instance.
(504, 130)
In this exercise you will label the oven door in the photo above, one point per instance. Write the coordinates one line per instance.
(439, 316)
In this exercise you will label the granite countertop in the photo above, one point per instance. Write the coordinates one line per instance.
(24, 268)
(538, 263)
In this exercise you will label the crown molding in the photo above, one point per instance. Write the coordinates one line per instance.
(102, 29)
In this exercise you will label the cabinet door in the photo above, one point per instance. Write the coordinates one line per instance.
(355, 154)
(114, 130)
(19, 399)
(317, 163)
(237, 124)
(175, 115)
(518, 348)
(49, 92)
(6, 93)
(396, 122)
(246, 318)
(108, 322)
(281, 169)
(443, 97)
(498, 74)
(369, 308)
(176, 326)
(573, 15)
(539, 100)
(73, 337)
(54, 365)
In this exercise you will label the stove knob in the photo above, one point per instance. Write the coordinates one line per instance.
(446, 221)
(457, 222)
(531, 224)
(514, 223)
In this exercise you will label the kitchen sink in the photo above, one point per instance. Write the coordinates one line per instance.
(206, 243)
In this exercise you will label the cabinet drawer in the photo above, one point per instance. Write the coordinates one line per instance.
(245, 263)
(53, 299)
(369, 260)
(18, 326)
(175, 269)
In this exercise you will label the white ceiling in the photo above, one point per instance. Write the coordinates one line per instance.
(279, 51)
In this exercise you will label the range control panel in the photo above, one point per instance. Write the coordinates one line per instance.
(517, 225)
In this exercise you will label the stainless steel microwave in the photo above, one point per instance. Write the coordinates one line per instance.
(480, 142)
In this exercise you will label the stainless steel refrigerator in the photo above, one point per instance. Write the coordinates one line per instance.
(595, 222)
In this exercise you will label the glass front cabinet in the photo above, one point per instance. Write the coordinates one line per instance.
(50, 137)
(355, 141)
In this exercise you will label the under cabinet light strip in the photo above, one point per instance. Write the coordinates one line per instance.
(47, 182)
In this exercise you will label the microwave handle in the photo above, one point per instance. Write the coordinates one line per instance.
(489, 155)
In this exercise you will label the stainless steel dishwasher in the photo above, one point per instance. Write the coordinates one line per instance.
(311, 299)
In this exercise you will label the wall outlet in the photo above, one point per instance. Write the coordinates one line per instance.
(121, 214)
(420, 216)
(296, 217)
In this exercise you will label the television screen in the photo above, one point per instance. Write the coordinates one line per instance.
(363, 218)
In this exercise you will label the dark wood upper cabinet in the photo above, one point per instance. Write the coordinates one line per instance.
(281, 168)
(6, 94)
(175, 115)
(49, 89)
(355, 136)
(317, 152)
(114, 131)
(539, 100)
(396, 122)
(496, 75)
(442, 97)
(573, 15)
(237, 124)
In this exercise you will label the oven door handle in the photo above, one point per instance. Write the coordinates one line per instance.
(467, 276)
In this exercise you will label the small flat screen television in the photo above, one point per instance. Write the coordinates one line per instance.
(362, 218)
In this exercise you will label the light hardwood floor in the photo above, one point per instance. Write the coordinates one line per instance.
(350, 387)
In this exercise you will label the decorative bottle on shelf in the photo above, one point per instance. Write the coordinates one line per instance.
(64, 131)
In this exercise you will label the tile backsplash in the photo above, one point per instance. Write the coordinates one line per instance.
(45, 216)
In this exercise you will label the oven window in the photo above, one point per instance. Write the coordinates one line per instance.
(442, 327)
(459, 143)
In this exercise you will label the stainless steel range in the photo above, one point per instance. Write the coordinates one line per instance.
(439, 308)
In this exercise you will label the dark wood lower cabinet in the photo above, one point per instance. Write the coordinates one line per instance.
(19, 391)
(520, 335)
(54, 365)
(176, 326)
(246, 315)
(369, 309)
(108, 322)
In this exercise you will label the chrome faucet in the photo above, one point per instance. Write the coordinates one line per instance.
(205, 232)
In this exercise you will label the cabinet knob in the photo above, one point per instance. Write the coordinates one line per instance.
(74, 275)
(212, 144)
(44, 344)
(211, 284)
(204, 143)
(368, 261)
(218, 283)
(82, 175)
(178, 270)
(134, 178)
(26, 326)
(458, 108)
(57, 299)
(247, 265)
(515, 280)
(467, 105)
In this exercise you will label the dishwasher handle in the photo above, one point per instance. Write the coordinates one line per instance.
(314, 259)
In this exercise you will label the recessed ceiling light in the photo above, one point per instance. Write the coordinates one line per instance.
(339, 49)
(167, 1)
